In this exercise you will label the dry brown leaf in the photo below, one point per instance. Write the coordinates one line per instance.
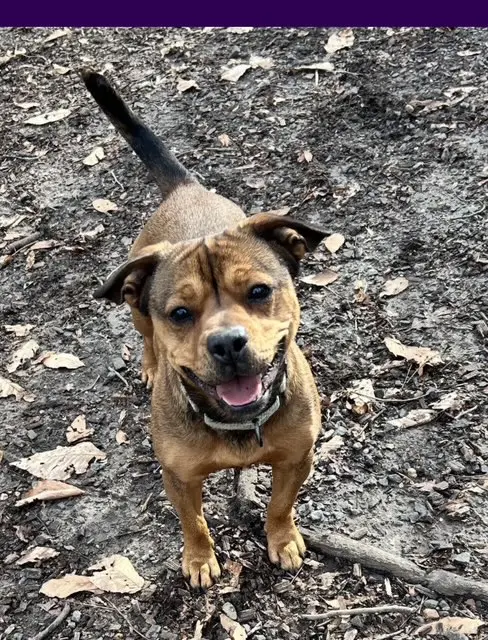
(456, 509)
(361, 392)
(121, 437)
(421, 355)
(186, 85)
(449, 625)
(262, 63)
(25, 352)
(30, 260)
(328, 447)
(116, 575)
(50, 116)
(104, 206)
(53, 360)
(37, 554)
(232, 74)
(316, 66)
(55, 35)
(66, 586)
(42, 245)
(321, 279)
(78, 430)
(60, 70)
(414, 418)
(94, 157)
(9, 388)
(235, 630)
(305, 156)
(235, 569)
(449, 402)
(224, 140)
(47, 490)
(26, 105)
(394, 287)
(340, 40)
(62, 462)
(334, 242)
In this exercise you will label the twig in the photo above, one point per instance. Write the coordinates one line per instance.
(125, 618)
(54, 624)
(360, 611)
(442, 582)
(386, 636)
(23, 242)
(116, 373)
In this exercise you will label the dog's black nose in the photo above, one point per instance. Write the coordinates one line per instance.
(228, 345)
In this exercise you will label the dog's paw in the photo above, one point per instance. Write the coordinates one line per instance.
(286, 548)
(201, 567)
(148, 374)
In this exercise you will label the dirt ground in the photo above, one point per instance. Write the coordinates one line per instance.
(398, 133)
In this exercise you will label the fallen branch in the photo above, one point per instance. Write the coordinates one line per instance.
(54, 624)
(360, 611)
(442, 582)
(14, 246)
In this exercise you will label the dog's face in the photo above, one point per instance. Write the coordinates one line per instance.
(224, 308)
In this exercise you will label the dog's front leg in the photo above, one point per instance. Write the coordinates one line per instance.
(285, 543)
(199, 561)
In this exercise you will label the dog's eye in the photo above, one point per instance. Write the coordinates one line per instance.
(259, 293)
(180, 315)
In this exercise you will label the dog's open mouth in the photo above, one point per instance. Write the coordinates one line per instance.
(244, 392)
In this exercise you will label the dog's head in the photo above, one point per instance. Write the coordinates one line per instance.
(224, 308)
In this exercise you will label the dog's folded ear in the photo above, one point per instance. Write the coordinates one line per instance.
(131, 282)
(292, 237)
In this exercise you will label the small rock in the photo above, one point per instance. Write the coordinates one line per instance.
(118, 364)
(357, 446)
(431, 604)
(456, 467)
(430, 614)
(411, 472)
(76, 615)
(229, 610)
(395, 478)
(462, 559)
(317, 515)
(359, 533)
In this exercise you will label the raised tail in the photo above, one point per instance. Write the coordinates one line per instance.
(163, 166)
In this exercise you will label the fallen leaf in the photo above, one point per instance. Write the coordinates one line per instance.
(30, 260)
(25, 352)
(451, 625)
(394, 287)
(78, 430)
(329, 446)
(94, 232)
(42, 245)
(421, 355)
(235, 569)
(66, 586)
(47, 490)
(116, 575)
(239, 29)
(62, 462)
(449, 402)
(345, 191)
(50, 116)
(340, 40)
(235, 630)
(94, 157)
(60, 361)
(361, 392)
(224, 140)
(259, 61)
(414, 418)
(316, 66)
(104, 206)
(55, 35)
(321, 279)
(60, 70)
(456, 509)
(26, 105)
(121, 437)
(305, 156)
(232, 74)
(37, 554)
(334, 242)
(185, 85)
(9, 388)
(256, 183)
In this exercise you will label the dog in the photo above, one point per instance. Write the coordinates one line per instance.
(211, 291)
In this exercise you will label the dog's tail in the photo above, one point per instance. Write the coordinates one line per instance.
(163, 166)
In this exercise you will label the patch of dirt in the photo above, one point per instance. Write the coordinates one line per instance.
(398, 135)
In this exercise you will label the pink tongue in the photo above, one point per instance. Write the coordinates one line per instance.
(241, 390)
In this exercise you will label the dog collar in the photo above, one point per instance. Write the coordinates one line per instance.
(256, 424)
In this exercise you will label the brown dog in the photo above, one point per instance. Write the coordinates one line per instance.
(211, 292)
